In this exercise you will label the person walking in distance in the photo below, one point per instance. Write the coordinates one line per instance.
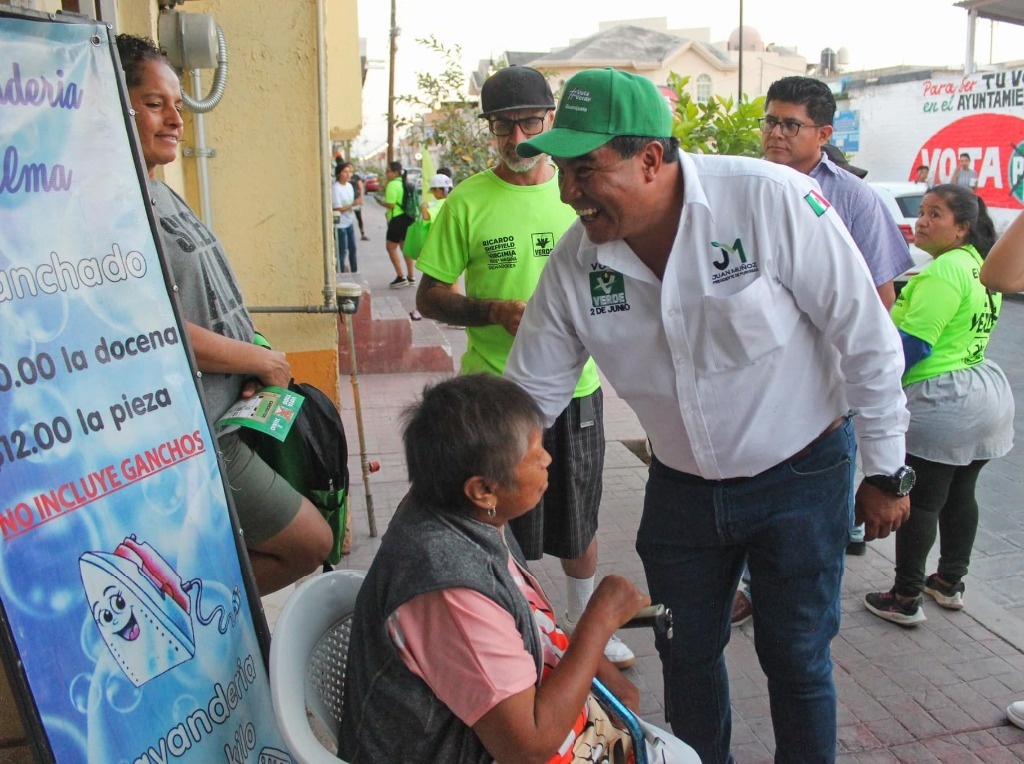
(360, 190)
(343, 201)
(398, 224)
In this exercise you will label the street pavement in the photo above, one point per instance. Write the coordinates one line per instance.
(934, 693)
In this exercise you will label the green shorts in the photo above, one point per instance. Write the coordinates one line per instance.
(265, 501)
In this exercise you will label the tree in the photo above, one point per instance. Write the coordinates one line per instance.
(718, 125)
(450, 121)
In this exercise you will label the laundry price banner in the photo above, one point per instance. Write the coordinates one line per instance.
(124, 601)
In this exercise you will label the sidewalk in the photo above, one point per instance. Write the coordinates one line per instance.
(936, 693)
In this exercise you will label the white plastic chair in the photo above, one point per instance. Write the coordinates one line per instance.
(308, 658)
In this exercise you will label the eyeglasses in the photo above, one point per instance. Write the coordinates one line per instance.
(789, 127)
(503, 127)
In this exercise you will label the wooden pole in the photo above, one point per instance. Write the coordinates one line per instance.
(393, 34)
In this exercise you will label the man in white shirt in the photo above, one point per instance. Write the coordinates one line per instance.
(726, 303)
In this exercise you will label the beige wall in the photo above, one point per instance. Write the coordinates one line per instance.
(344, 71)
(271, 174)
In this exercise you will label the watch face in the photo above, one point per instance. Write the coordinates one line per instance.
(898, 484)
(906, 477)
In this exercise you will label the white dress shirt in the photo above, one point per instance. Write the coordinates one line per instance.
(765, 328)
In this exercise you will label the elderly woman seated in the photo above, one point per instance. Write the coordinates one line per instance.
(455, 655)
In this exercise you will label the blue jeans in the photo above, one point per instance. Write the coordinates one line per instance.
(791, 523)
(856, 529)
(346, 247)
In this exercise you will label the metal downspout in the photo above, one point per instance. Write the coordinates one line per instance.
(325, 153)
(201, 154)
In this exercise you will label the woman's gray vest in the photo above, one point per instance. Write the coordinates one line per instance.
(390, 714)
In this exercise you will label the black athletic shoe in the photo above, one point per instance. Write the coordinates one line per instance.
(950, 597)
(885, 605)
(398, 283)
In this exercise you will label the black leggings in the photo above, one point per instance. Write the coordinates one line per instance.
(942, 499)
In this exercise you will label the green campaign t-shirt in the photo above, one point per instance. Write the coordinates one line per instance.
(394, 193)
(948, 307)
(500, 235)
(434, 206)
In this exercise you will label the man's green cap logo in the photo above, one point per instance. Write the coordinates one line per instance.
(598, 105)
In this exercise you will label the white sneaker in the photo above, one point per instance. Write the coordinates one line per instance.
(616, 651)
(621, 656)
(1015, 713)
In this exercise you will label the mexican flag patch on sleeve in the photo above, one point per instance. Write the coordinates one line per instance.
(817, 202)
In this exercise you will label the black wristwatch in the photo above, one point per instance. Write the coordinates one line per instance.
(898, 484)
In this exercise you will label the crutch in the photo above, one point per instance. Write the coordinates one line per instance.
(348, 304)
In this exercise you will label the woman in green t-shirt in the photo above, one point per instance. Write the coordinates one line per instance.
(398, 223)
(960, 404)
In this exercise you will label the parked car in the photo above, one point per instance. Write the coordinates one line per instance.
(371, 183)
(903, 200)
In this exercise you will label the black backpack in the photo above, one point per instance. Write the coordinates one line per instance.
(410, 198)
(313, 458)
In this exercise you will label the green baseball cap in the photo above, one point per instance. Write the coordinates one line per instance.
(598, 105)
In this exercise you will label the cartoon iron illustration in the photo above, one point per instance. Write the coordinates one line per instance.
(142, 609)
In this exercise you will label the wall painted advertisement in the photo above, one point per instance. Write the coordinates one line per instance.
(127, 615)
(934, 120)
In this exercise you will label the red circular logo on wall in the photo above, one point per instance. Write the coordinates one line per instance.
(995, 143)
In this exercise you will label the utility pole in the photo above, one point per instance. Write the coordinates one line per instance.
(739, 94)
(393, 34)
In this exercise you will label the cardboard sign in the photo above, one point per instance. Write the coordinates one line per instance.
(129, 617)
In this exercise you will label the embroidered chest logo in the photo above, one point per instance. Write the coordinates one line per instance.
(607, 291)
(731, 261)
(542, 243)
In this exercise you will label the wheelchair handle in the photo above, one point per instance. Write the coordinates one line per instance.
(657, 617)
